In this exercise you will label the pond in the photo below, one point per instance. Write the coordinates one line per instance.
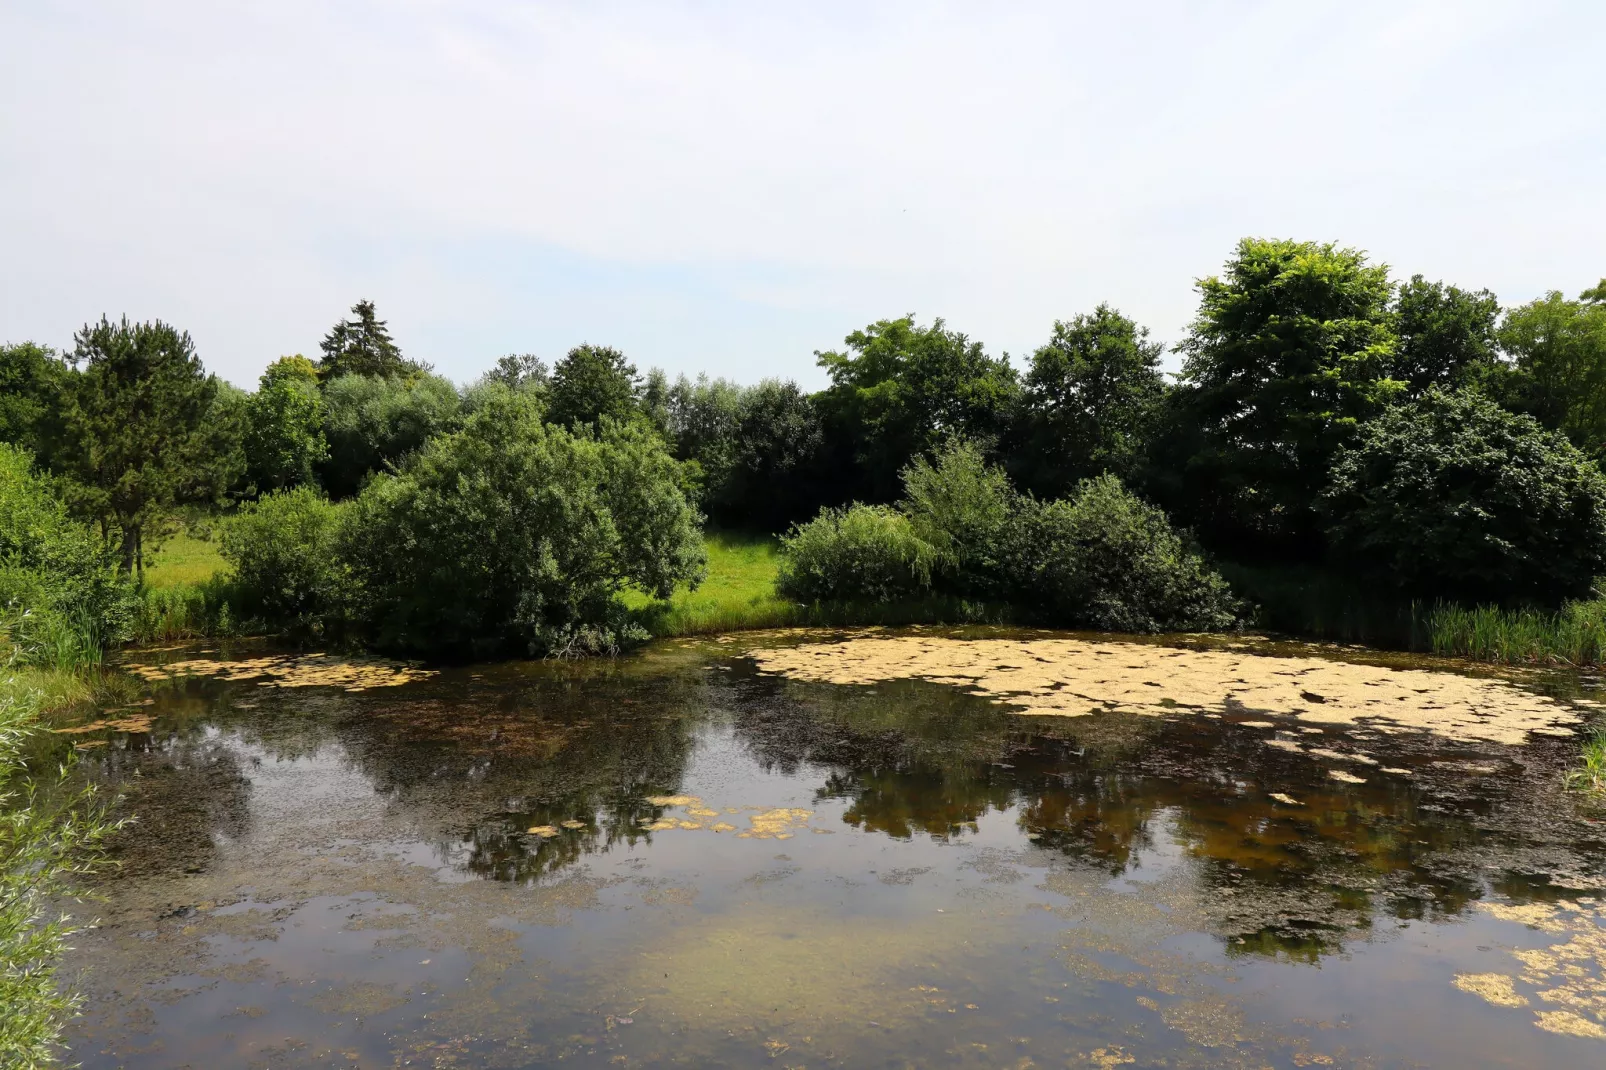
(903, 848)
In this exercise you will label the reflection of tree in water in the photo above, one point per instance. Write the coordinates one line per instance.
(181, 791)
(473, 770)
(1277, 879)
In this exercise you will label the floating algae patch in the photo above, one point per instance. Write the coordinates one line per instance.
(136, 722)
(292, 670)
(1495, 988)
(1569, 976)
(1075, 677)
(780, 823)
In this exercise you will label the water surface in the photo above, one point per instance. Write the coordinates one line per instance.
(676, 859)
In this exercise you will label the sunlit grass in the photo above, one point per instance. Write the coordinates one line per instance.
(738, 593)
(184, 559)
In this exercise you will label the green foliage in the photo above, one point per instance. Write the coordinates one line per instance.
(1450, 496)
(516, 536)
(1290, 352)
(1106, 559)
(1445, 335)
(703, 421)
(520, 371)
(967, 509)
(284, 440)
(900, 390)
(590, 384)
(1575, 635)
(1560, 377)
(372, 424)
(861, 553)
(31, 380)
(1091, 399)
(362, 346)
(141, 431)
(283, 549)
(51, 834)
(61, 595)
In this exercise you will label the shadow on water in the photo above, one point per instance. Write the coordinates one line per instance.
(674, 857)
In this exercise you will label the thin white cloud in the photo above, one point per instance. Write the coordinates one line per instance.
(731, 187)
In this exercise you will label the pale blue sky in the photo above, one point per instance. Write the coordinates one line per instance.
(728, 187)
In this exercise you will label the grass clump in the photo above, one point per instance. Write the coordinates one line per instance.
(1591, 772)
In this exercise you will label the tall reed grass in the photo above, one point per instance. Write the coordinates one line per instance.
(1575, 635)
(190, 611)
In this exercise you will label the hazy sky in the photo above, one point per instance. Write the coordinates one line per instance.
(729, 187)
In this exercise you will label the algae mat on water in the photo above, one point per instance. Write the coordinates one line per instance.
(1075, 677)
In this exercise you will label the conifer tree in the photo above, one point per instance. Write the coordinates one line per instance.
(362, 346)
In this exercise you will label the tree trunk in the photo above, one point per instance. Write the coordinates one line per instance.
(129, 548)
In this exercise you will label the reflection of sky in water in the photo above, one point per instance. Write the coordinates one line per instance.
(352, 877)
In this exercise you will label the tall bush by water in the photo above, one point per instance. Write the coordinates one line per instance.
(1451, 496)
(284, 551)
(860, 553)
(514, 536)
(1105, 559)
(1102, 558)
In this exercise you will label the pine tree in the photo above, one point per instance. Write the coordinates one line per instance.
(362, 346)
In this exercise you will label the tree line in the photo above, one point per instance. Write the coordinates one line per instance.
(1410, 433)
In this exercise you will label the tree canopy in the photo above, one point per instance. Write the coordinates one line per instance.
(1290, 352)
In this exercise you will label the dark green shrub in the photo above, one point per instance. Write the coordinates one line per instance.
(1106, 559)
(284, 552)
(513, 536)
(60, 590)
(868, 553)
(967, 509)
(1451, 496)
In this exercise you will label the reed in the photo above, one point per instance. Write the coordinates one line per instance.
(1574, 635)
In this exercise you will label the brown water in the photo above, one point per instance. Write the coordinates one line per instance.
(677, 859)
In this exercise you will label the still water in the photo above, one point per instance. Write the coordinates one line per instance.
(684, 857)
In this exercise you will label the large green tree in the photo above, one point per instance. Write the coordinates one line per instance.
(899, 390)
(1090, 401)
(284, 440)
(138, 437)
(1559, 349)
(362, 345)
(1446, 335)
(31, 380)
(1291, 350)
(592, 382)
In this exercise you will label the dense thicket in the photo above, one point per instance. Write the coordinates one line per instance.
(1101, 558)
